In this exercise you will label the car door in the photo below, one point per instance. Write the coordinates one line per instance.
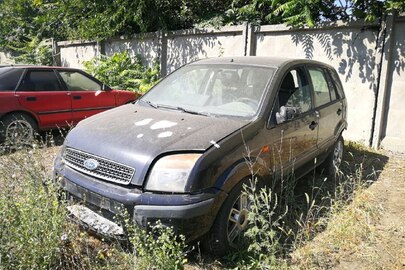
(88, 95)
(41, 93)
(327, 103)
(294, 130)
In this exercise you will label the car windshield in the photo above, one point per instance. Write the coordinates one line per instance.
(229, 90)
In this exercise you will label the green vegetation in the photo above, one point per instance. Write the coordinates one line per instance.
(34, 233)
(27, 27)
(120, 71)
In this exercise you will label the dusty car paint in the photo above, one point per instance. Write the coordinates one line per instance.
(138, 135)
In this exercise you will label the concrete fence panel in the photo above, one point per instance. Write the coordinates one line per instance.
(148, 46)
(73, 54)
(186, 46)
(350, 49)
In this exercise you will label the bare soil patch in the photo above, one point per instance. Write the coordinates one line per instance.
(387, 250)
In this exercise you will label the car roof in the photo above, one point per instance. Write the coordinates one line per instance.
(275, 62)
(35, 66)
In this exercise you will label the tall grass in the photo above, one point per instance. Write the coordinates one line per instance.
(35, 233)
(31, 219)
(285, 219)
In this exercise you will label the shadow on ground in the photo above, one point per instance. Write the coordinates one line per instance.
(361, 167)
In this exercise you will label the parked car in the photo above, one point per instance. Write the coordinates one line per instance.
(36, 98)
(181, 153)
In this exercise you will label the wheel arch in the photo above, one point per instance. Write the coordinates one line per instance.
(252, 168)
(29, 114)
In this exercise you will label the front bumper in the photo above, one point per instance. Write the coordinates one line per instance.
(189, 214)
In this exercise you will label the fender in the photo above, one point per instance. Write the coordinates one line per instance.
(33, 116)
(340, 127)
(240, 170)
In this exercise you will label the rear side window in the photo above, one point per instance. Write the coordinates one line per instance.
(337, 83)
(76, 81)
(320, 86)
(40, 80)
(9, 78)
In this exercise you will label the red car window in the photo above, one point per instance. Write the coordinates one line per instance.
(76, 81)
(9, 78)
(40, 80)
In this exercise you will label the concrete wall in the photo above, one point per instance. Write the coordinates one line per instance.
(189, 45)
(5, 58)
(393, 121)
(369, 59)
(147, 45)
(74, 53)
(351, 49)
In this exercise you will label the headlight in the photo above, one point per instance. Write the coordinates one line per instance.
(170, 173)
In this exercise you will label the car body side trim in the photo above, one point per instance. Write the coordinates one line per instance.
(78, 110)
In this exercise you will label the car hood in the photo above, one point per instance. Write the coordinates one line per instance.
(135, 135)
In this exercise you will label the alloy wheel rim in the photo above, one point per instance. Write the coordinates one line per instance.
(337, 155)
(238, 219)
(19, 131)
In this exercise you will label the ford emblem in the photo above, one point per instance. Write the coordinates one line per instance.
(90, 164)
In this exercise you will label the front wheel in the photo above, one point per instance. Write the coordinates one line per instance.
(227, 233)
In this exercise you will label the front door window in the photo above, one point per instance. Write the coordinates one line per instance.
(294, 96)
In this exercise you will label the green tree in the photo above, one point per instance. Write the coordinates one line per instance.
(26, 26)
(23, 31)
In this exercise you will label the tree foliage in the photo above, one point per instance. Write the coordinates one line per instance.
(26, 26)
(309, 12)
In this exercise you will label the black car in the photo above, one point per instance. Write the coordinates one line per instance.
(179, 154)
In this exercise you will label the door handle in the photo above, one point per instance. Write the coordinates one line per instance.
(31, 98)
(313, 125)
(77, 97)
(339, 111)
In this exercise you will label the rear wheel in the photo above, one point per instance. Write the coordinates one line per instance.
(17, 128)
(227, 233)
(334, 160)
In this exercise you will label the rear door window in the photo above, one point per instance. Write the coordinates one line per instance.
(75, 81)
(40, 80)
(336, 83)
(320, 86)
(9, 78)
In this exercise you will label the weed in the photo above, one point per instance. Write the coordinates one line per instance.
(31, 219)
(120, 71)
(157, 248)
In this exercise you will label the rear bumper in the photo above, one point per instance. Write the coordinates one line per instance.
(189, 214)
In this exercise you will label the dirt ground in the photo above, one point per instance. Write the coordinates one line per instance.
(387, 250)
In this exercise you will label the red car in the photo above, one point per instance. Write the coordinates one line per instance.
(34, 98)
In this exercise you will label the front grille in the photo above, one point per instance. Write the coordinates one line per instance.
(107, 169)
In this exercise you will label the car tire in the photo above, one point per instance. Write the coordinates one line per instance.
(226, 234)
(18, 128)
(334, 159)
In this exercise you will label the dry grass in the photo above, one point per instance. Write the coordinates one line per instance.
(357, 224)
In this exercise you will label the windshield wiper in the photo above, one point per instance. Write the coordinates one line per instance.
(178, 108)
(153, 105)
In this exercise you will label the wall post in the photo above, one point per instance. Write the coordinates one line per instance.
(56, 53)
(250, 40)
(384, 85)
(162, 36)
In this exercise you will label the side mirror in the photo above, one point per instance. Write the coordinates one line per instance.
(285, 114)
